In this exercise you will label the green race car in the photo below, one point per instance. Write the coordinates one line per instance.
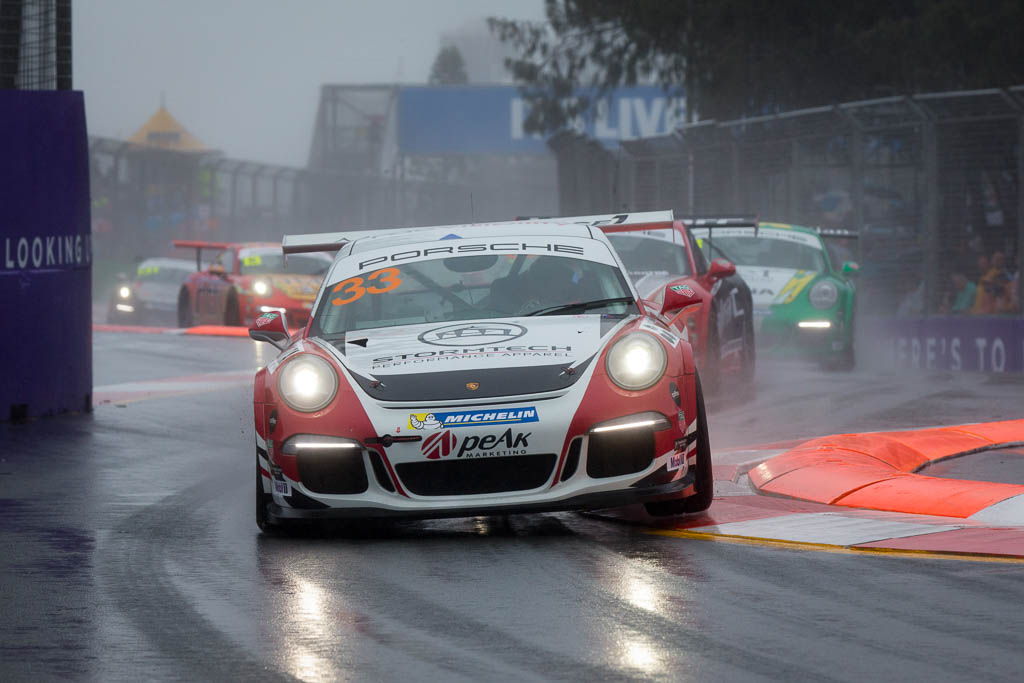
(802, 304)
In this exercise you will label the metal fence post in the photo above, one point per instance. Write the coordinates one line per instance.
(930, 213)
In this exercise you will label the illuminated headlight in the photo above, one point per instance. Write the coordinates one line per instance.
(824, 294)
(636, 361)
(307, 383)
(653, 421)
(124, 291)
(261, 288)
(814, 324)
(306, 443)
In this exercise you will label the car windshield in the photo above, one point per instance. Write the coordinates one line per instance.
(471, 287)
(770, 252)
(270, 260)
(654, 252)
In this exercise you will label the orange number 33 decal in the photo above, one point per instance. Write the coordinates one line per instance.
(354, 288)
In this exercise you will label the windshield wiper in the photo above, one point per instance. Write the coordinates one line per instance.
(582, 306)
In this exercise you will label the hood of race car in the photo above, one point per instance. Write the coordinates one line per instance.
(473, 359)
(775, 285)
(300, 287)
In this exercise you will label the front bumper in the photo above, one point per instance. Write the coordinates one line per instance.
(780, 334)
(586, 501)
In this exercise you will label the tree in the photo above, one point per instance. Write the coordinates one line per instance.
(735, 58)
(449, 68)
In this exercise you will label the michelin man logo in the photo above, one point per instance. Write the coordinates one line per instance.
(428, 421)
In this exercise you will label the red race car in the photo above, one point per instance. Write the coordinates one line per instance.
(243, 281)
(721, 327)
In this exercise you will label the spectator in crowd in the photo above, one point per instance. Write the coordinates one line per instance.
(963, 295)
(912, 305)
(993, 291)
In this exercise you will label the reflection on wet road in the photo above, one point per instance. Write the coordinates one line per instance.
(130, 551)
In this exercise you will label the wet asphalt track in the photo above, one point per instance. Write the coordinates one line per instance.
(128, 551)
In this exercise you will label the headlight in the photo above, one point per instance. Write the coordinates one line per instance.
(307, 383)
(124, 291)
(824, 294)
(636, 361)
(261, 287)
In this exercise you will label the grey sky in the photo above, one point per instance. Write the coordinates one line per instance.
(244, 75)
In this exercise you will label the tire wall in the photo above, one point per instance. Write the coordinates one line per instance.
(45, 255)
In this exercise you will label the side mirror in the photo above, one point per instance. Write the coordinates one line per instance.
(851, 268)
(677, 297)
(271, 327)
(721, 268)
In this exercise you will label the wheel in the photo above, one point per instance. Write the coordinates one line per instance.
(184, 309)
(704, 481)
(749, 352)
(231, 312)
(262, 500)
(713, 357)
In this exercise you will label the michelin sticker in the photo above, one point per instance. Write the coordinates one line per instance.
(472, 418)
(670, 337)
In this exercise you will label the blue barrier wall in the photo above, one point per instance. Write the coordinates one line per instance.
(954, 343)
(45, 255)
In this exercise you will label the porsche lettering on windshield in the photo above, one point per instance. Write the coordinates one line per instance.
(410, 254)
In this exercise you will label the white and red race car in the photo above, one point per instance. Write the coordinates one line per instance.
(478, 369)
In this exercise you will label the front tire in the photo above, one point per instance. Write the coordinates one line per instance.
(232, 315)
(184, 309)
(704, 479)
(263, 499)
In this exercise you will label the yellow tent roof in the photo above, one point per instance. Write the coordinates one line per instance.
(163, 130)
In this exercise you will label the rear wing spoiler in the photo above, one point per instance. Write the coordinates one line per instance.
(837, 232)
(199, 245)
(643, 220)
(722, 221)
(329, 241)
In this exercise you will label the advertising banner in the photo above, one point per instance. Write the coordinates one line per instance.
(439, 120)
(982, 344)
(45, 255)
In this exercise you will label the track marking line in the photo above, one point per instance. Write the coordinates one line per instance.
(837, 549)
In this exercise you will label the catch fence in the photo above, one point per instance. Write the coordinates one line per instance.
(931, 183)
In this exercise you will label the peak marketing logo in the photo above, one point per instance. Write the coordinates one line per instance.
(473, 334)
(442, 443)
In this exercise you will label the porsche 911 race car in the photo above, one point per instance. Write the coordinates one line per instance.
(478, 369)
(802, 304)
(243, 281)
(721, 327)
(150, 296)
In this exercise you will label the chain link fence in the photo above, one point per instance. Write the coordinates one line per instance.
(931, 183)
(143, 197)
(35, 44)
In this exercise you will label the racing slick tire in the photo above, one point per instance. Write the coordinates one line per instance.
(184, 309)
(263, 499)
(704, 480)
(232, 314)
(749, 353)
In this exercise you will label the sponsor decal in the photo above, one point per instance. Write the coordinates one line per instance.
(675, 462)
(282, 487)
(438, 445)
(673, 391)
(472, 418)
(472, 333)
(412, 254)
(670, 337)
(685, 290)
(681, 416)
(679, 445)
(472, 386)
(267, 318)
(796, 284)
(490, 446)
(442, 443)
(487, 353)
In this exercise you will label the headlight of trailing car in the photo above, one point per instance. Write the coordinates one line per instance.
(636, 361)
(124, 291)
(307, 383)
(261, 288)
(824, 294)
